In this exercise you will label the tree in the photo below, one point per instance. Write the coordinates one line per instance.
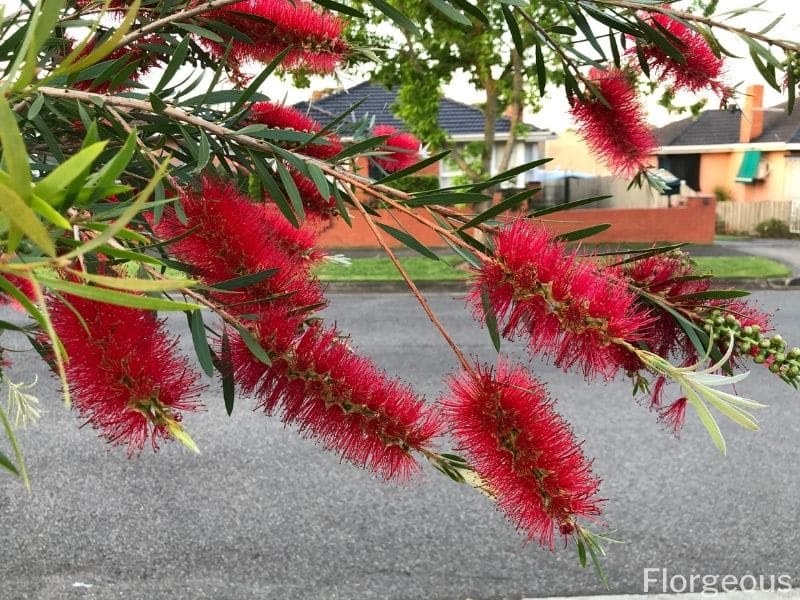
(122, 199)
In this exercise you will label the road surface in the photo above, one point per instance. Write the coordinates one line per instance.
(262, 513)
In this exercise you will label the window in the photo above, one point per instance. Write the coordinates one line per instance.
(683, 166)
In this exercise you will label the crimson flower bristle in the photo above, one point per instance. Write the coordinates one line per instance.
(402, 149)
(701, 69)
(125, 374)
(137, 53)
(226, 236)
(315, 381)
(279, 116)
(567, 308)
(674, 415)
(504, 421)
(315, 36)
(23, 284)
(617, 130)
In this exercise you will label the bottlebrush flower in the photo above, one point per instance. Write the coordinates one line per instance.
(343, 400)
(278, 24)
(278, 116)
(23, 284)
(701, 69)
(402, 149)
(137, 53)
(125, 375)
(504, 421)
(674, 415)
(227, 236)
(617, 131)
(567, 308)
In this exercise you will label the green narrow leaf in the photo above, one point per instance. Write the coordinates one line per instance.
(509, 174)
(513, 29)
(203, 152)
(291, 190)
(15, 155)
(25, 220)
(59, 179)
(491, 319)
(707, 419)
(15, 447)
(342, 8)
(541, 70)
(395, 15)
(252, 344)
(473, 10)
(450, 12)
(244, 280)
(108, 296)
(175, 63)
(35, 107)
(413, 168)
(500, 208)
(225, 367)
(200, 342)
(409, 241)
(711, 295)
(559, 207)
(580, 234)
(318, 177)
(7, 464)
(360, 147)
(274, 191)
(581, 552)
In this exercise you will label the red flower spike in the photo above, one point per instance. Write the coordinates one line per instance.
(314, 35)
(567, 308)
(701, 69)
(23, 284)
(279, 116)
(343, 400)
(618, 131)
(227, 236)
(402, 148)
(674, 415)
(505, 423)
(146, 59)
(125, 375)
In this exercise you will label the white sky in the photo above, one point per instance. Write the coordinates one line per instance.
(554, 112)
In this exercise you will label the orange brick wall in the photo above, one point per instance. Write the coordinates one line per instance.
(693, 222)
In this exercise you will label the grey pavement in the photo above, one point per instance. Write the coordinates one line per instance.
(262, 513)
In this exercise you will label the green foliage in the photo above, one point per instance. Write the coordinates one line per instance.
(774, 228)
(417, 183)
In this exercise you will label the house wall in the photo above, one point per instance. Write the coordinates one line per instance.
(719, 169)
(692, 222)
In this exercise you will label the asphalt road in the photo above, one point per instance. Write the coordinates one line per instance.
(262, 513)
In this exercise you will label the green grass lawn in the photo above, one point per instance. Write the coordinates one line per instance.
(732, 267)
(382, 269)
(423, 269)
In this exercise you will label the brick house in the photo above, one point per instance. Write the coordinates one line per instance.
(748, 155)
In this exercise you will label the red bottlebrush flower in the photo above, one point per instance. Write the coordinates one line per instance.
(278, 24)
(145, 61)
(618, 131)
(526, 453)
(402, 149)
(228, 237)
(289, 239)
(125, 375)
(23, 284)
(278, 116)
(674, 415)
(701, 69)
(335, 396)
(314, 203)
(570, 309)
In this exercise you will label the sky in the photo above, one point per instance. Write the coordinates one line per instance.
(554, 115)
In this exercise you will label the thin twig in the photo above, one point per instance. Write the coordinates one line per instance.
(413, 287)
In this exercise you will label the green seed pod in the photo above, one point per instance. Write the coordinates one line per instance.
(759, 358)
(792, 372)
(774, 367)
(748, 331)
(745, 347)
(780, 357)
(764, 343)
(795, 352)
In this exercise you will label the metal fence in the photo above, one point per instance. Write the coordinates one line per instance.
(736, 217)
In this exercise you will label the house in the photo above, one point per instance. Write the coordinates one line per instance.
(462, 122)
(748, 155)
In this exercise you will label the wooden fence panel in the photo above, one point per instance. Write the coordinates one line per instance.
(744, 216)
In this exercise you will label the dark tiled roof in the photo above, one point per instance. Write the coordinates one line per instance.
(455, 118)
(721, 127)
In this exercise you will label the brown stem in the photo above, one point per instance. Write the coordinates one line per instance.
(413, 287)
